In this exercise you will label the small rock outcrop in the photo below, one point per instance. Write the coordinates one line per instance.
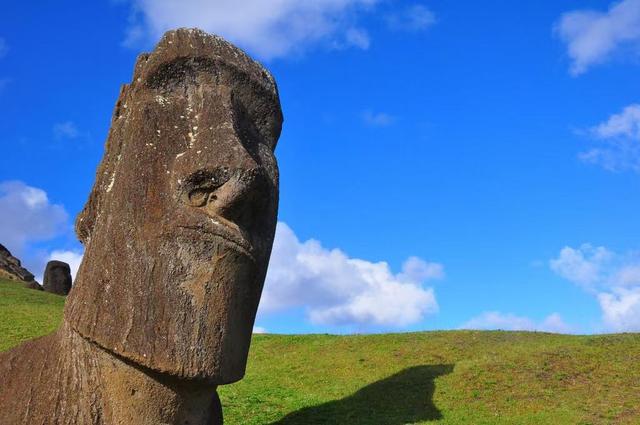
(11, 269)
(57, 277)
(177, 230)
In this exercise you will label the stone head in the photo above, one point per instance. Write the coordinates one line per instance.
(57, 277)
(179, 225)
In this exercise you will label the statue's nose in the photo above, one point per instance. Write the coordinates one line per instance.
(236, 202)
(240, 200)
(228, 201)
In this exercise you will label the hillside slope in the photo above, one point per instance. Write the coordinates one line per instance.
(454, 377)
(25, 313)
(11, 269)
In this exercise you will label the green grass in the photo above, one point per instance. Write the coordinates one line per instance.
(453, 377)
(26, 313)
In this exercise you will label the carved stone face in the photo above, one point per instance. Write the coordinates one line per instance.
(179, 226)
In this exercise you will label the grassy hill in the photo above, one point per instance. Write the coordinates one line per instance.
(454, 377)
(26, 313)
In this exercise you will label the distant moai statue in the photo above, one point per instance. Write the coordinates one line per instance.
(178, 232)
(57, 277)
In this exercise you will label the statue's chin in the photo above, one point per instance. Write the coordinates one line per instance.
(212, 290)
(184, 307)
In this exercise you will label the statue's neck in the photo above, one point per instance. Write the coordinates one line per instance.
(132, 395)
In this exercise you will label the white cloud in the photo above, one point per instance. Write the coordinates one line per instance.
(267, 28)
(4, 48)
(612, 278)
(628, 275)
(65, 130)
(259, 330)
(620, 141)
(415, 269)
(377, 119)
(511, 322)
(73, 258)
(335, 289)
(27, 216)
(413, 18)
(583, 265)
(592, 37)
(621, 309)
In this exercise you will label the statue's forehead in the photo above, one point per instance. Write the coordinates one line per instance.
(180, 72)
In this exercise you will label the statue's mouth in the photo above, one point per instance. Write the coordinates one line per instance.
(233, 239)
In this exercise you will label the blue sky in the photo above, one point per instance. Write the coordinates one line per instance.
(467, 164)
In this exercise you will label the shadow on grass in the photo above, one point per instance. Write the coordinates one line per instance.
(406, 397)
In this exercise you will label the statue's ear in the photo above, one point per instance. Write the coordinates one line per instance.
(105, 176)
(87, 217)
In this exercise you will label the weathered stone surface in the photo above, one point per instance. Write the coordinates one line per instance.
(11, 269)
(63, 379)
(177, 231)
(57, 277)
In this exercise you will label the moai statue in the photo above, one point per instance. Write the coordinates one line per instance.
(57, 277)
(177, 231)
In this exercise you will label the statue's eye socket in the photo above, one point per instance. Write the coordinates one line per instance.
(198, 197)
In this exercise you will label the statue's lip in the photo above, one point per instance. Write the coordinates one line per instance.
(231, 238)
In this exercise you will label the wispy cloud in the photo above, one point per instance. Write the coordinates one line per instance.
(377, 119)
(624, 124)
(592, 37)
(358, 37)
(4, 48)
(494, 320)
(613, 279)
(65, 130)
(268, 29)
(619, 137)
(4, 82)
(413, 18)
(335, 289)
